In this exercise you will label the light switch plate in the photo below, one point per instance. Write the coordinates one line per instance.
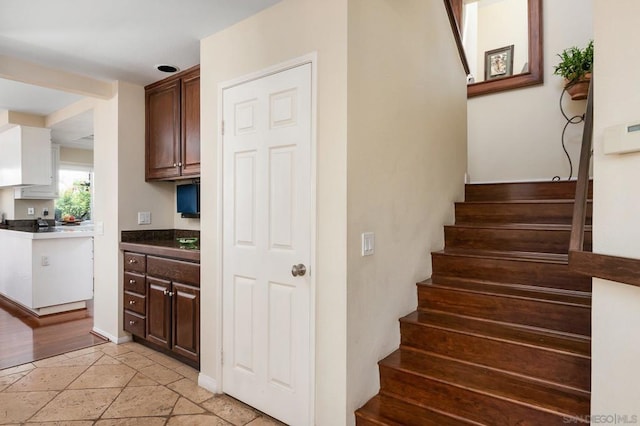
(368, 243)
(144, 218)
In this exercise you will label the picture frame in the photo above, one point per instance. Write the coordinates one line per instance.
(498, 63)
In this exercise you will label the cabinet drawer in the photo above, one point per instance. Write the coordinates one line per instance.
(134, 323)
(174, 270)
(134, 282)
(135, 262)
(134, 302)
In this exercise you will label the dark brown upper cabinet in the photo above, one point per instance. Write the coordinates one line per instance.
(172, 139)
(521, 76)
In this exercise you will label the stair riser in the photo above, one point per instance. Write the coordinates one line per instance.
(566, 318)
(361, 421)
(549, 213)
(509, 271)
(523, 191)
(537, 337)
(561, 368)
(381, 409)
(541, 241)
(467, 404)
(508, 289)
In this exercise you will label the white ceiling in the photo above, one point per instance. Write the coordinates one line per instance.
(108, 40)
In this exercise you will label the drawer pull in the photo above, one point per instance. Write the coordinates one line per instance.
(170, 293)
(132, 322)
(132, 281)
(165, 292)
(131, 261)
(132, 302)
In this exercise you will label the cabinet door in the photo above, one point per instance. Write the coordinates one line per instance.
(159, 311)
(191, 124)
(163, 131)
(186, 320)
(43, 192)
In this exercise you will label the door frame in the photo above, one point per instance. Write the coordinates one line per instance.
(310, 58)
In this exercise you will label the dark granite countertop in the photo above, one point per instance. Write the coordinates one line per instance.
(162, 243)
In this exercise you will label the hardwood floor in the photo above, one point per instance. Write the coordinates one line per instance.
(21, 343)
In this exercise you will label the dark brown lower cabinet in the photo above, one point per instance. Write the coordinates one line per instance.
(165, 311)
(186, 320)
(159, 312)
(173, 316)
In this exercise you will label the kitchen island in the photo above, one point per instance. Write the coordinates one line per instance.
(47, 271)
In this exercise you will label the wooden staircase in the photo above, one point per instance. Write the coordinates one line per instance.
(502, 334)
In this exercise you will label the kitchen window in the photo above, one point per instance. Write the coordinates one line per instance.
(75, 187)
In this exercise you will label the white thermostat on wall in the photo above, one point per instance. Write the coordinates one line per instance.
(622, 139)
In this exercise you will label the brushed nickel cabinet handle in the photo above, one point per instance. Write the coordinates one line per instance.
(132, 322)
(132, 302)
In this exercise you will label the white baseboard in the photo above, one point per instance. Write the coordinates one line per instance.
(208, 383)
(114, 339)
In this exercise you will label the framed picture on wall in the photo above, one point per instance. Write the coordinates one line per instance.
(498, 62)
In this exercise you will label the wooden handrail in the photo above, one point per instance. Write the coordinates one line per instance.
(614, 268)
(582, 186)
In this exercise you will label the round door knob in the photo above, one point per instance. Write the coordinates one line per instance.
(298, 270)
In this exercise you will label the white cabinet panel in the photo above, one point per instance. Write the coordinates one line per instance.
(43, 192)
(26, 156)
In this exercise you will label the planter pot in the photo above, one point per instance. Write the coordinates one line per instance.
(579, 90)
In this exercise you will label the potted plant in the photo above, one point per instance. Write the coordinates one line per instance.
(576, 66)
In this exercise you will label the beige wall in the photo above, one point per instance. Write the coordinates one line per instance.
(289, 29)
(406, 165)
(121, 192)
(76, 156)
(515, 135)
(616, 230)
(7, 206)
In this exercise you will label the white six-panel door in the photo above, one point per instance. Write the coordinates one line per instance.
(266, 232)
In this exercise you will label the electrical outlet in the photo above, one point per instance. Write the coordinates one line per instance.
(31, 211)
(144, 218)
(45, 261)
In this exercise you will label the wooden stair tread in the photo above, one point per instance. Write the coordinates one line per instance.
(551, 340)
(559, 258)
(391, 411)
(517, 226)
(485, 380)
(542, 294)
(524, 201)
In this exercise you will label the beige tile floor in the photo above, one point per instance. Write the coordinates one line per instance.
(115, 385)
